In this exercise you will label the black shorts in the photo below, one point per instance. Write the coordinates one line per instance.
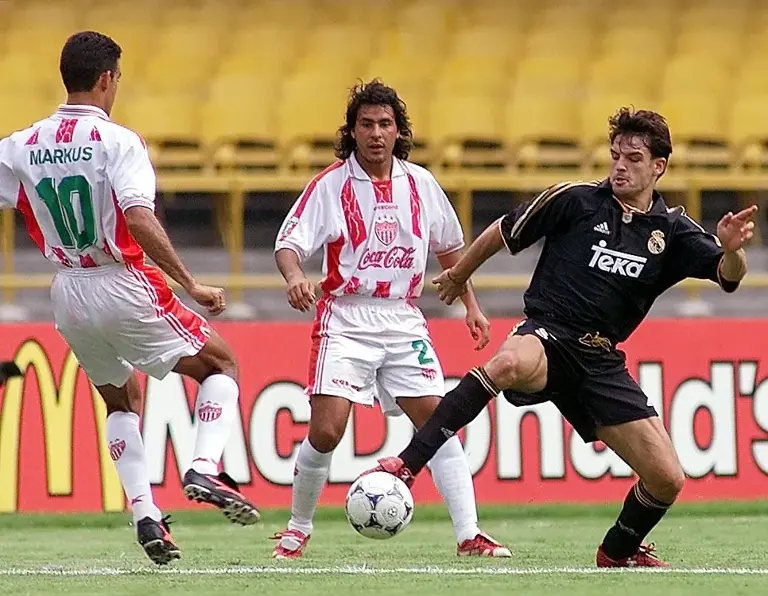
(591, 386)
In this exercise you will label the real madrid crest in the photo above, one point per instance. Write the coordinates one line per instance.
(656, 243)
(626, 217)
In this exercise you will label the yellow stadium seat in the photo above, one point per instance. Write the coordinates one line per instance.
(238, 122)
(549, 42)
(169, 124)
(494, 13)
(690, 74)
(310, 110)
(466, 129)
(698, 127)
(611, 73)
(542, 130)
(748, 129)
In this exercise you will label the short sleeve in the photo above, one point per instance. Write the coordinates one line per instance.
(130, 172)
(547, 213)
(9, 183)
(445, 233)
(308, 225)
(695, 253)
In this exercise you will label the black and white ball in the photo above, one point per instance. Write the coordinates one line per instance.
(379, 505)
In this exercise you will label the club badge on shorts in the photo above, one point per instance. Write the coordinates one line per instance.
(656, 243)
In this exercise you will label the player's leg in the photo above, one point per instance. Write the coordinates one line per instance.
(626, 422)
(127, 450)
(156, 333)
(520, 364)
(341, 372)
(453, 478)
(327, 423)
(119, 387)
(647, 448)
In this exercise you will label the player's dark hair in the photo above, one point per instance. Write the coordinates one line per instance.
(644, 123)
(85, 57)
(375, 93)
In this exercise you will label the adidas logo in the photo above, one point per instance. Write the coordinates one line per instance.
(602, 228)
(447, 432)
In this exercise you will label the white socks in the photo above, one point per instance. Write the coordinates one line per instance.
(215, 411)
(127, 451)
(451, 475)
(308, 482)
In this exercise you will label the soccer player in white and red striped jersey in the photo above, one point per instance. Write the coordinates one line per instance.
(377, 216)
(86, 189)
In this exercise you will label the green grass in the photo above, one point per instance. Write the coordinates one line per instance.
(721, 535)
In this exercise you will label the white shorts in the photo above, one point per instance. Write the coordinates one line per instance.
(366, 349)
(118, 317)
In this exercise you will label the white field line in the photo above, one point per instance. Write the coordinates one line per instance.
(364, 570)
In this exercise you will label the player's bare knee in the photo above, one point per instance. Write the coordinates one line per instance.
(512, 368)
(667, 483)
(326, 436)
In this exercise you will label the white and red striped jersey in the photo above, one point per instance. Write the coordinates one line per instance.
(72, 175)
(376, 235)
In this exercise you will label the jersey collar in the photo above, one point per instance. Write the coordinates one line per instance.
(657, 201)
(73, 111)
(357, 171)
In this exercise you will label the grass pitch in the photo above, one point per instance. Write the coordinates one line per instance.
(716, 549)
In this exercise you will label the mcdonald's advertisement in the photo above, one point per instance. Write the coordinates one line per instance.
(706, 378)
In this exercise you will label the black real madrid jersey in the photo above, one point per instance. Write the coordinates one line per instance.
(602, 267)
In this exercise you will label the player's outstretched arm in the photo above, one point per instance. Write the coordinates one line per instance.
(149, 233)
(452, 282)
(478, 324)
(300, 291)
(734, 231)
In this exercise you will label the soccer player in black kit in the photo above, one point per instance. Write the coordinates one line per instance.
(611, 248)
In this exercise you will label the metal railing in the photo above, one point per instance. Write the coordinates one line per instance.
(229, 191)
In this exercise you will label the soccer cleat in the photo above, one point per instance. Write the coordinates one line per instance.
(291, 544)
(644, 557)
(482, 545)
(155, 538)
(220, 491)
(395, 466)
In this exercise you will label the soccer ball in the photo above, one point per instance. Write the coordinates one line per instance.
(379, 505)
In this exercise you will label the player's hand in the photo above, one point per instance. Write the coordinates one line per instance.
(209, 297)
(301, 294)
(479, 327)
(734, 231)
(448, 287)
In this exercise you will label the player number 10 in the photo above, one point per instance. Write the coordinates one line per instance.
(73, 192)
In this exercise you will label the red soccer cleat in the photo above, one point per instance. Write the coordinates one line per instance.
(482, 545)
(291, 544)
(644, 557)
(395, 466)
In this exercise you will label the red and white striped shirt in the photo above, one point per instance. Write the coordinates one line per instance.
(376, 235)
(72, 175)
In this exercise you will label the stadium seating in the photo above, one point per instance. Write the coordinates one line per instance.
(262, 84)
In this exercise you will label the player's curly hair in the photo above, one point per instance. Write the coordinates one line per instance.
(85, 57)
(375, 93)
(645, 123)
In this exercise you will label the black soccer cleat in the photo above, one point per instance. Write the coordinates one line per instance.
(220, 491)
(155, 538)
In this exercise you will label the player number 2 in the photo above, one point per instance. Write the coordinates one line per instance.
(422, 348)
(71, 208)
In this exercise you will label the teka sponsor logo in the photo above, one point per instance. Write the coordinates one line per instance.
(613, 261)
(397, 257)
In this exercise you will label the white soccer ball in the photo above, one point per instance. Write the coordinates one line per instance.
(379, 505)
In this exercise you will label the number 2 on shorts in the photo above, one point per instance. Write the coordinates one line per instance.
(421, 346)
(61, 206)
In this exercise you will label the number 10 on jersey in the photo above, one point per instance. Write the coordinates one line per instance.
(71, 208)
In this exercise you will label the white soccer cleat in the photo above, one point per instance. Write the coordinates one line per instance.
(482, 545)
